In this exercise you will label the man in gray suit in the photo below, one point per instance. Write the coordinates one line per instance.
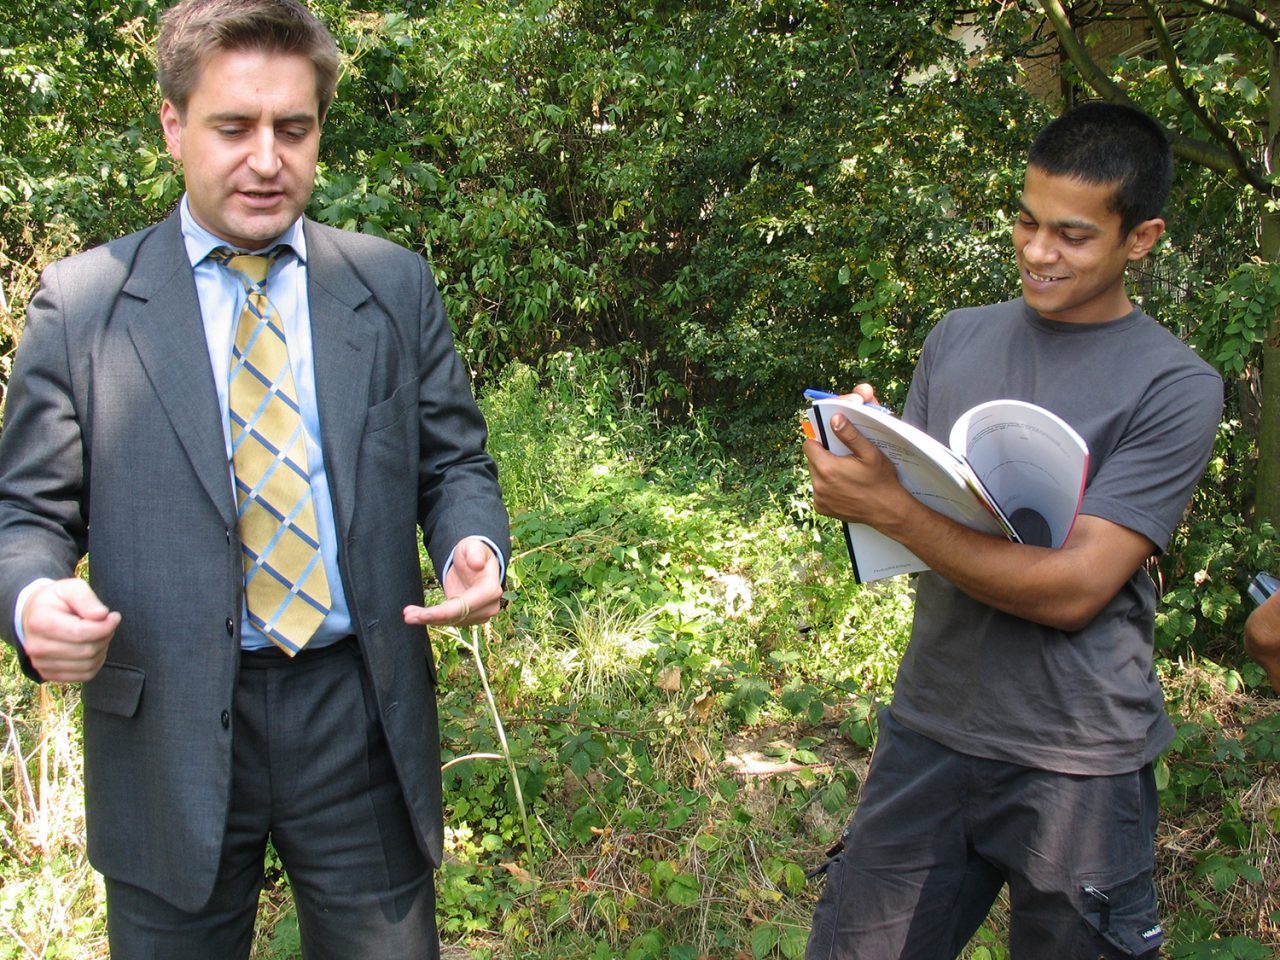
(242, 416)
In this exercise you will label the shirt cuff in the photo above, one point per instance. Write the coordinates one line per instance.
(21, 605)
(502, 561)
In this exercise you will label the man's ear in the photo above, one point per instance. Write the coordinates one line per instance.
(1144, 236)
(171, 123)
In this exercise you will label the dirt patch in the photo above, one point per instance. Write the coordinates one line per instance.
(769, 751)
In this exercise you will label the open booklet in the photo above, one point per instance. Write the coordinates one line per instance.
(1013, 470)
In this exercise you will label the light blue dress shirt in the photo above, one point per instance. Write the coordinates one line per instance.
(222, 297)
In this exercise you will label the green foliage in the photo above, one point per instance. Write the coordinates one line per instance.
(1212, 560)
(1229, 948)
(681, 184)
(848, 241)
(652, 224)
(631, 787)
(622, 768)
(1246, 302)
(77, 86)
(654, 837)
(286, 940)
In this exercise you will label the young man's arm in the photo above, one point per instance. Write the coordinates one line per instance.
(1063, 588)
(1262, 638)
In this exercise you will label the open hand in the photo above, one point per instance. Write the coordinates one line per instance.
(472, 589)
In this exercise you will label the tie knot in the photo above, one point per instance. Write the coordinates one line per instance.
(251, 267)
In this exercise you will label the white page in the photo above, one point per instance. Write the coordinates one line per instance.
(926, 469)
(1029, 459)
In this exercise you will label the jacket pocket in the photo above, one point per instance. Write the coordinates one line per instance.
(117, 689)
(391, 410)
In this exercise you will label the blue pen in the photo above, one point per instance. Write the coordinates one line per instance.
(824, 395)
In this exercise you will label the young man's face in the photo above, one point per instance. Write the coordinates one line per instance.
(1071, 254)
(247, 143)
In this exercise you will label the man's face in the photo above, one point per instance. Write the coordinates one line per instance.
(1071, 254)
(247, 143)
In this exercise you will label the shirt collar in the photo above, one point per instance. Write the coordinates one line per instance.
(200, 242)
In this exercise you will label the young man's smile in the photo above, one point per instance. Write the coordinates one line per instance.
(1071, 252)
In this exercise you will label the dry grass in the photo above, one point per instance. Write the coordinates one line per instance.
(49, 897)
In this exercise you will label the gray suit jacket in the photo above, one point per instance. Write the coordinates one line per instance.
(112, 444)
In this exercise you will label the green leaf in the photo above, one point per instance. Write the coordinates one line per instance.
(763, 939)
(793, 942)
(1162, 774)
(834, 797)
(584, 818)
(684, 890)
(793, 877)
(1248, 89)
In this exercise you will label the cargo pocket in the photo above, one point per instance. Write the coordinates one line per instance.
(1124, 915)
(832, 856)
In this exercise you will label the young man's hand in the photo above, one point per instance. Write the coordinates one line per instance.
(1262, 638)
(862, 487)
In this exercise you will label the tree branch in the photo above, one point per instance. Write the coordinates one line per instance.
(1255, 19)
(1239, 162)
(1222, 157)
(1093, 75)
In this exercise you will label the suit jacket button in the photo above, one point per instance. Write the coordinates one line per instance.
(226, 720)
(231, 627)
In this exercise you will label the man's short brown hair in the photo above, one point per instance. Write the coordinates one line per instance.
(194, 30)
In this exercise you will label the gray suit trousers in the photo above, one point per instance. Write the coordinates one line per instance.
(312, 772)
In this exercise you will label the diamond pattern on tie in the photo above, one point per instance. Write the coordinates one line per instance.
(286, 589)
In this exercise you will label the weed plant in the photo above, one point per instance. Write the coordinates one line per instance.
(688, 680)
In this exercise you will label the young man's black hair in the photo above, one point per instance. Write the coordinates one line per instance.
(1110, 143)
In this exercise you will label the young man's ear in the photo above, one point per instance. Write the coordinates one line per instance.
(1144, 236)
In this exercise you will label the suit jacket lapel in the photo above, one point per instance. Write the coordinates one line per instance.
(342, 343)
(168, 334)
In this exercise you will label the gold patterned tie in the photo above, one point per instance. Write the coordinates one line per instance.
(286, 590)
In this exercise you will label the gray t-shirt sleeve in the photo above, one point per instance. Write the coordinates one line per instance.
(915, 409)
(1146, 481)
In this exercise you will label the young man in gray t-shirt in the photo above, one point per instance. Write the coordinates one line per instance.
(1026, 712)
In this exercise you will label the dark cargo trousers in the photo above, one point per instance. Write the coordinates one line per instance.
(938, 833)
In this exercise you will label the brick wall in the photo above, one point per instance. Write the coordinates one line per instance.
(1125, 33)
